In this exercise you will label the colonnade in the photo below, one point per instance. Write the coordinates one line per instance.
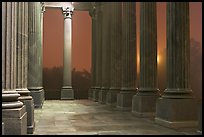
(114, 80)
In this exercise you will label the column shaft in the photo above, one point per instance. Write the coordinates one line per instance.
(116, 50)
(144, 102)
(22, 64)
(105, 72)
(14, 115)
(35, 54)
(99, 17)
(67, 91)
(177, 108)
(92, 13)
(128, 85)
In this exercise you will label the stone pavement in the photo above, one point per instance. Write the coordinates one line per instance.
(85, 117)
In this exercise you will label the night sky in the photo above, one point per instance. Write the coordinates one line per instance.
(81, 48)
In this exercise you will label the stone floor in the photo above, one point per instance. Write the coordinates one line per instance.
(85, 117)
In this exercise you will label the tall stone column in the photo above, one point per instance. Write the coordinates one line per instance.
(177, 107)
(116, 53)
(105, 73)
(67, 91)
(144, 102)
(22, 63)
(14, 115)
(92, 13)
(98, 50)
(35, 54)
(128, 85)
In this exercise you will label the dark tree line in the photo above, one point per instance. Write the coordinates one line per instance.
(53, 82)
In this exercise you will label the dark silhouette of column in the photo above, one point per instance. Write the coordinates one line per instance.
(22, 63)
(92, 13)
(144, 102)
(98, 50)
(116, 50)
(177, 107)
(67, 91)
(14, 115)
(128, 85)
(35, 54)
(105, 73)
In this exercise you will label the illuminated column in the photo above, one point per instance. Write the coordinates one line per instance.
(92, 13)
(14, 115)
(116, 50)
(67, 91)
(128, 85)
(177, 107)
(144, 102)
(22, 63)
(105, 73)
(98, 50)
(35, 54)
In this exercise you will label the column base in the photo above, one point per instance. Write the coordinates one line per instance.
(38, 96)
(90, 93)
(28, 102)
(144, 103)
(67, 93)
(200, 119)
(95, 94)
(124, 100)
(3, 132)
(176, 113)
(111, 97)
(15, 121)
(102, 95)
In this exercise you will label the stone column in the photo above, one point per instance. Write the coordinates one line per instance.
(67, 91)
(14, 115)
(144, 102)
(35, 54)
(177, 107)
(98, 50)
(92, 13)
(22, 63)
(105, 73)
(116, 53)
(128, 85)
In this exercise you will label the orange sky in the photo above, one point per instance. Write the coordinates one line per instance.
(81, 48)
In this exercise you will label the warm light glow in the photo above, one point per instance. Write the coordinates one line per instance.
(158, 59)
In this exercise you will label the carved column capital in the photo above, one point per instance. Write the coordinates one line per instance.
(42, 7)
(92, 12)
(68, 12)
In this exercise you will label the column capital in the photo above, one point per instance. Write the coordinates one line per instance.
(68, 12)
(92, 12)
(42, 7)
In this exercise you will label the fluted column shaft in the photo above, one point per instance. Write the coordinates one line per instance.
(22, 63)
(22, 48)
(178, 50)
(12, 108)
(144, 102)
(116, 52)
(92, 13)
(148, 46)
(99, 17)
(105, 73)
(35, 54)
(177, 108)
(128, 85)
(67, 91)
(129, 46)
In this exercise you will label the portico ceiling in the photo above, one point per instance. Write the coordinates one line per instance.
(80, 6)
